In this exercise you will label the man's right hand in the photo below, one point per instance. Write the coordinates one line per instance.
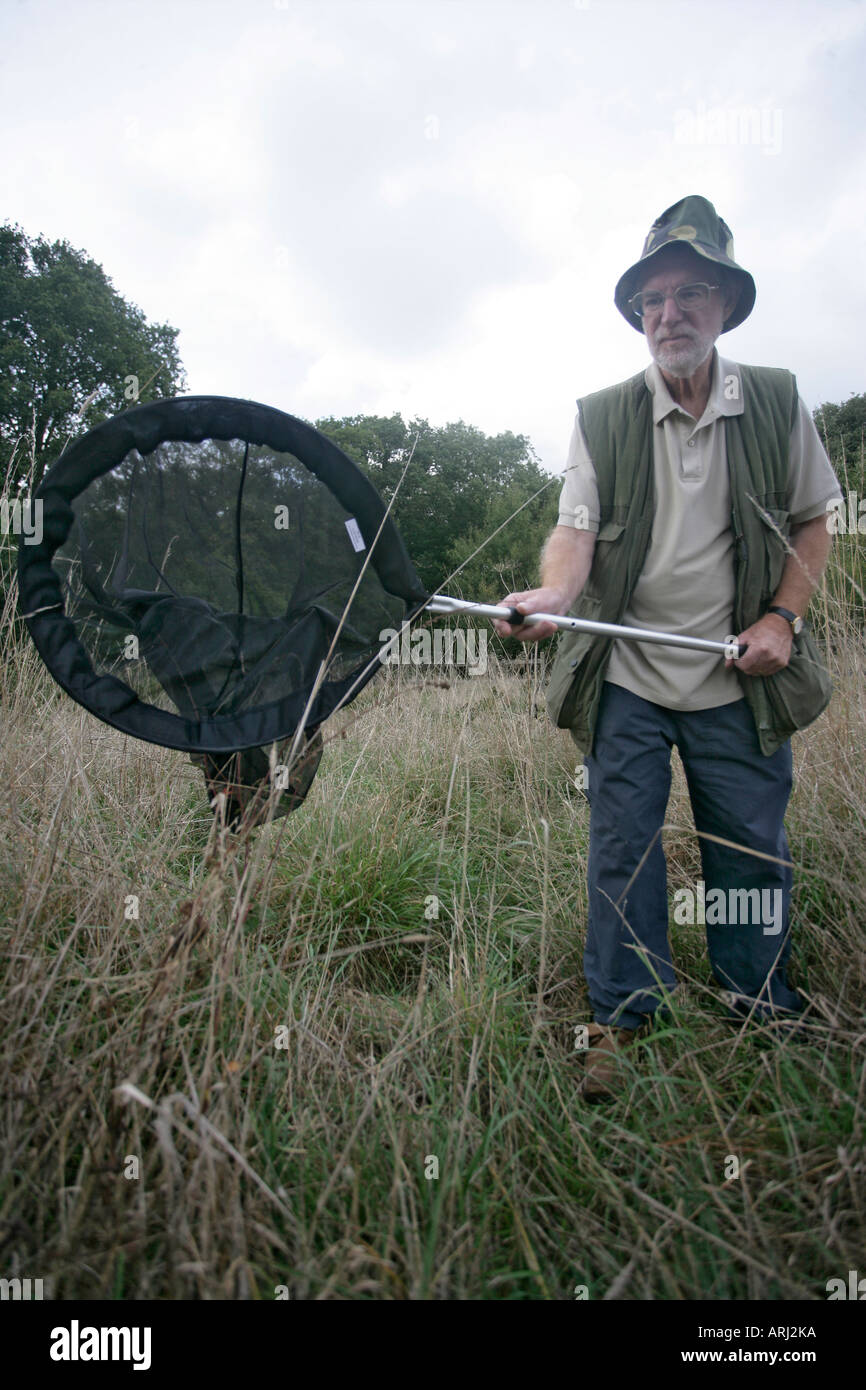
(531, 601)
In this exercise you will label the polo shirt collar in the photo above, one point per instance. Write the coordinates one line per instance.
(726, 392)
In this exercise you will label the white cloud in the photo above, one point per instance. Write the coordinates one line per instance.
(425, 207)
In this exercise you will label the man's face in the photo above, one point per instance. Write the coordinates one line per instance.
(680, 340)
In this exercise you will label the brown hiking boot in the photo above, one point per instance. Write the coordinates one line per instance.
(602, 1073)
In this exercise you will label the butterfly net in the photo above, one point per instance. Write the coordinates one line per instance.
(217, 573)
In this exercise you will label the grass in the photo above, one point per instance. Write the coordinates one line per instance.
(385, 986)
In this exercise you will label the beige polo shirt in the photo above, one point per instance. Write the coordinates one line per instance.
(687, 583)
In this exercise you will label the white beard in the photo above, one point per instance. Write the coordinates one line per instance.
(683, 359)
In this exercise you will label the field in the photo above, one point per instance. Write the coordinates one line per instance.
(337, 1061)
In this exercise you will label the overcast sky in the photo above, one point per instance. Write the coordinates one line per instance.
(423, 206)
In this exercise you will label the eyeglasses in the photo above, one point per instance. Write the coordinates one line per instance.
(688, 297)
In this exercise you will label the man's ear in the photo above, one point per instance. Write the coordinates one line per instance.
(732, 298)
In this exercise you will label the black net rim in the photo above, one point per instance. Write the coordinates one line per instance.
(191, 419)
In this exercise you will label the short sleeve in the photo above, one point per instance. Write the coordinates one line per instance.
(578, 501)
(812, 482)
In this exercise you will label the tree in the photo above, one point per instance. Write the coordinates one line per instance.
(460, 485)
(507, 559)
(72, 351)
(843, 430)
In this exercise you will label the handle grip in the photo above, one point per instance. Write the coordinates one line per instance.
(445, 603)
(517, 619)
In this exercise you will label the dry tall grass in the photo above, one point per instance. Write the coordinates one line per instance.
(285, 1081)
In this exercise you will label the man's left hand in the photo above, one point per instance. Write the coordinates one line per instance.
(769, 641)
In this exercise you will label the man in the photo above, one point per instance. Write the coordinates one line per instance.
(695, 501)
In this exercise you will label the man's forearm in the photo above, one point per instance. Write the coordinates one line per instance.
(802, 573)
(769, 639)
(566, 562)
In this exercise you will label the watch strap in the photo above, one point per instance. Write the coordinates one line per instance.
(792, 618)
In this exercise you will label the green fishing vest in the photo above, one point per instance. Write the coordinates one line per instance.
(618, 426)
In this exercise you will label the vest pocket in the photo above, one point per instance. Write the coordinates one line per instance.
(570, 673)
(573, 649)
(605, 561)
(802, 691)
(776, 525)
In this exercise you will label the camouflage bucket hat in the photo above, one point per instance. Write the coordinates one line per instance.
(691, 222)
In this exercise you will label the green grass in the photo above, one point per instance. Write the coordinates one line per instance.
(410, 1035)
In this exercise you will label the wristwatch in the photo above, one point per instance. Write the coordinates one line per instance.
(796, 623)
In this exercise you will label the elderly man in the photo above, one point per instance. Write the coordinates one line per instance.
(695, 501)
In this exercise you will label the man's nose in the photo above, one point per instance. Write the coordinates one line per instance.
(671, 312)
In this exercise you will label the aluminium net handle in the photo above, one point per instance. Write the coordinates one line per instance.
(444, 603)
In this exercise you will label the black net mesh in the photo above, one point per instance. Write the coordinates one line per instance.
(212, 576)
(215, 576)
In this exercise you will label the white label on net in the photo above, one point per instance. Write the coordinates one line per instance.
(355, 536)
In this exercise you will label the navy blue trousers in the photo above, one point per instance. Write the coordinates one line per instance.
(737, 794)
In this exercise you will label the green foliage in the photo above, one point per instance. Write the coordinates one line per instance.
(843, 430)
(460, 486)
(509, 560)
(68, 345)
